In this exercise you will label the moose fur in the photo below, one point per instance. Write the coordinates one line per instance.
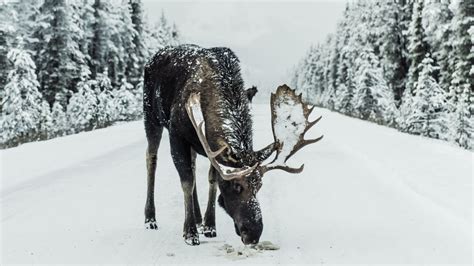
(170, 77)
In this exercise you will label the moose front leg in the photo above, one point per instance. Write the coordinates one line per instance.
(183, 161)
(197, 209)
(209, 228)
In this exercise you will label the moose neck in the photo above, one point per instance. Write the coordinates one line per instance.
(226, 111)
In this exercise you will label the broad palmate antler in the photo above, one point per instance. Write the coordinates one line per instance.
(290, 122)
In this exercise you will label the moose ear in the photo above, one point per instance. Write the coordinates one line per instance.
(251, 92)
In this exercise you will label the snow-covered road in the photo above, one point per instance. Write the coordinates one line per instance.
(368, 194)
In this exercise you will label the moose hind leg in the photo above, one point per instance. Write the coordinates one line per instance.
(182, 158)
(209, 228)
(153, 134)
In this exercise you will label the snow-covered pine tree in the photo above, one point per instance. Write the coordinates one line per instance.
(7, 32)
(106, 110)
(128, 34)
(126, 103)
(329, 59)
(140, 52)
(392, 46)
(102, 28)
(46, 122)
(175, 35)
(437, 18)
(462, 120)
(445, 57)
(373, 99)
(462, 82)
(428, 116)
(59, 123)
(345, 84)
(405, 111)
(418, 46)
(57, 54)
(82, 107)
(27, 13)
(162, 34)
(307, 74)
(23, 107)
(122, 35)
(462, 22)
(345, 95)
(85, 15)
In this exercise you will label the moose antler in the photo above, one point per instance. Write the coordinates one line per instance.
(193, 108)
(289, 125)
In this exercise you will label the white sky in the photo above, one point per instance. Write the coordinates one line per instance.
(268, 37)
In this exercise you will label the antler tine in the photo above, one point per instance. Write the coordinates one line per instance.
(311, 124)
(284, 168)
(227, 173)
(300, 145)
(308, 111)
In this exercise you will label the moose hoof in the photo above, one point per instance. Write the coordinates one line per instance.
(150, 223)
(209, 231)
(192, 240)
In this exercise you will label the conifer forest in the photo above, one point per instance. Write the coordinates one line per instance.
(407, 64)
(68, 66)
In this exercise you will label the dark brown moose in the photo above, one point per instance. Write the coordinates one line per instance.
(199, 96)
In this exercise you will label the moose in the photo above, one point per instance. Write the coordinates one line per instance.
(198, 95)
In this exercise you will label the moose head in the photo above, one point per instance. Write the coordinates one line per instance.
(239, 185)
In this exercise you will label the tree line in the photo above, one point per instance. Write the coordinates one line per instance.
(68, 66)
(408, 64)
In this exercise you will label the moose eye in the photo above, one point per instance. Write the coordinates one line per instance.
(237, 188)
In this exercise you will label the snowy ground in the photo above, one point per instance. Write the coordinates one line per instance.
(368, 194)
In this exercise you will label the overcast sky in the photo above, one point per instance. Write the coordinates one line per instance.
(268, 37)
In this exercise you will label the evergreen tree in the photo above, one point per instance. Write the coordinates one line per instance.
(175, 35)
(45, 122)
(462, 125)
(82, 108)
(102, 28)
(392, 47)
(428, 115)
(126, 103)
(164, 34)
(462, 22)
(418, 47)
(27, 13)
(7, 31)
(86, 19)
(58, 55)
(373, 99)
(106, 110)
(23, 108)
(122, 42)
(137, 63)
(59, 124)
